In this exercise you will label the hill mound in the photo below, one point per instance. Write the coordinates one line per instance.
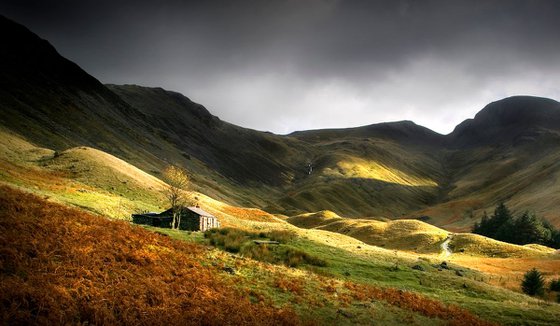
(408, 235)
(477, 245)
(414, 235)
(101, 183)
(311, 220)
(100, 169)
(406, 132)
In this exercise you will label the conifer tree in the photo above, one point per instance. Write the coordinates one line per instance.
(502, 216)
(478, 227)
(527, 228)
(533, 283)
(555, 285)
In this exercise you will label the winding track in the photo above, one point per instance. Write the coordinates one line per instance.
(446, 252)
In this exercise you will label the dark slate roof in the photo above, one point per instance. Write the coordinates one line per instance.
(200, 211)
(196, 210)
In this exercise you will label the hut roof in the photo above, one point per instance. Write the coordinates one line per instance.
(196, 210)
(199, 211)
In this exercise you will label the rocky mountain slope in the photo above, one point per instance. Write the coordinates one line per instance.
(509, 151)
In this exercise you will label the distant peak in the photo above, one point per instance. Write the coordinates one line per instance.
(520, 110)
(505, 119)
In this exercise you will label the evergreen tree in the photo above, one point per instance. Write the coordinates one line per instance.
(522, 230)
(555, 285)
(502, 216)
(533, 283)
(498, 224)
(482, 228)
(555, 239)
(530, 229)
(507, 231)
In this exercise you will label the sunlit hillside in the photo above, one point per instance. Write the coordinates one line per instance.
(342, 290)
(359, 168)
(98, 182)
(415, 236)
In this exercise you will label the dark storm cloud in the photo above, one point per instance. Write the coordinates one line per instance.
(286, 65)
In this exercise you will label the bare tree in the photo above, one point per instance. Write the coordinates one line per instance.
(176, 192)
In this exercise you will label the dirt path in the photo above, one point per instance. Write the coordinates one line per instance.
(445, 251)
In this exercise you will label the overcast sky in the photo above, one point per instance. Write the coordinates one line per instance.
(306, 64)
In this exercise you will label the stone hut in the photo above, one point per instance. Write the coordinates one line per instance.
(192, 219)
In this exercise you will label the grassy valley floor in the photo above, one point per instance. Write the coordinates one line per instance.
(88, 264)
(61, 265)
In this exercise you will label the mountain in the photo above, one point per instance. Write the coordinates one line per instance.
(513, 120)
(55, 104)
(509, 151)
(404, 132)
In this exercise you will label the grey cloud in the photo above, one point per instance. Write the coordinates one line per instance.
(286, 65)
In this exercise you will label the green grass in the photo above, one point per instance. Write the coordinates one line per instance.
(467, 291)
(487, 301)
(243, 242)
(316, 262)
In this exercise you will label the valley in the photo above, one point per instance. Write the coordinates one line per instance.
(382, 212)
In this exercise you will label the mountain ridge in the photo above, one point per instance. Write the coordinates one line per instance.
(513, 115)
(388, 170)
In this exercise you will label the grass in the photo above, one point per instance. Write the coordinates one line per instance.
(310, 286)
(100, 183)
(467, 291)
(415, 236)
(477, 245)
(243, 242)
(367, 266)
(62, 265)
(410, 235)
(364, 169)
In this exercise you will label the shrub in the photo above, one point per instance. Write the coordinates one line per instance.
(230, 240)
(555, 285)
(258, 252)
(239, 241)
(295, 257)
(233, 241)
(533, 283)
(415, 302)
(281, 236)
(293, 285)
(315, 261)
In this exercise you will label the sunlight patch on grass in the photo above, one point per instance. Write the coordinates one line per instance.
(359, 168)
